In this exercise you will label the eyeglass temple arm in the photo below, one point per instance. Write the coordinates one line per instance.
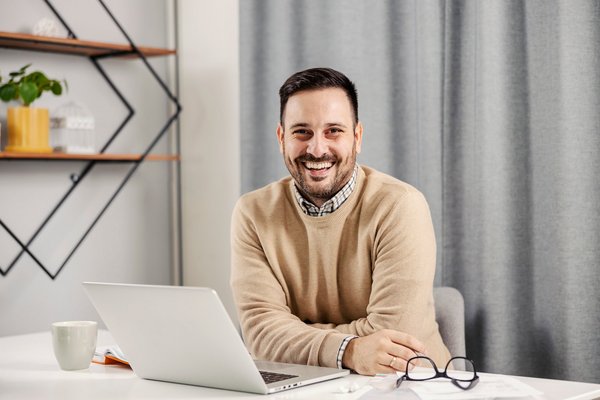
(471, 384)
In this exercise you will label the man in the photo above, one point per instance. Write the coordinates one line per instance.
(334, 265)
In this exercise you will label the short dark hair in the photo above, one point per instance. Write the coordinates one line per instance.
(317, 78)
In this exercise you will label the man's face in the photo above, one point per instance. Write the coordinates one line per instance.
(319, 142)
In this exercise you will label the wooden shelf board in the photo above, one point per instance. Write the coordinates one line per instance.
(75, 46)
(86, 157)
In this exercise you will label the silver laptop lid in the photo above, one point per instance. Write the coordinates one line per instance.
(176, 334)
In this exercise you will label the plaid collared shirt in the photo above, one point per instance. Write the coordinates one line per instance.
(330, 205)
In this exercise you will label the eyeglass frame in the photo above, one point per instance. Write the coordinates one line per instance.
(472, 382)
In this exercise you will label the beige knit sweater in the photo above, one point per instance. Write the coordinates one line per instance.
(302, 284)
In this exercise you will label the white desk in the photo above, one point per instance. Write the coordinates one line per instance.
(28, 370)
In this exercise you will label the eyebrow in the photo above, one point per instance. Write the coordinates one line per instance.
(305, 125)
(299, 125)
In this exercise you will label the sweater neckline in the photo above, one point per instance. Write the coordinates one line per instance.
(340, 213)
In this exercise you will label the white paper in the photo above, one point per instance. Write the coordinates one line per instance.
(489, 387)
(112, 350)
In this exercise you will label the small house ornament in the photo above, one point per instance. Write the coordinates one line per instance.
(72, 129)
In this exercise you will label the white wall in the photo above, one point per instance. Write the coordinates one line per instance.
(209, 90)
(132, 241)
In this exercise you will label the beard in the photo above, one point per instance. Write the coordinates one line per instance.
(320, 189)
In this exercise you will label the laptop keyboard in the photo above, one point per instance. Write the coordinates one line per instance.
(270, 377)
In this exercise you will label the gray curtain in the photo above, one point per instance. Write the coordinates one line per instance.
(491, 108)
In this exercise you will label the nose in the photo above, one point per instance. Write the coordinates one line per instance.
(317, 146)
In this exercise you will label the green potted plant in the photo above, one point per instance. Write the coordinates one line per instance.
(28, 127)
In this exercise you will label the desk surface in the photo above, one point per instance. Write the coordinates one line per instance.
(28, 370)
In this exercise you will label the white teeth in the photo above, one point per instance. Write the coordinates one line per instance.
(320, 165)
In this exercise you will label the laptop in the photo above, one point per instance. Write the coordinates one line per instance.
(184, 335)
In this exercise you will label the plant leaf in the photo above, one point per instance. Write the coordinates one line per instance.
(29, 87)
(29, 92)
(8, 91)
(38, 78)
(56, 88)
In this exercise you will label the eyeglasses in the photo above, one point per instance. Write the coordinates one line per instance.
(465, 379)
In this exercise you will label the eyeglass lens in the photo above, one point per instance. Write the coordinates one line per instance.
(418, 374)
(459, 368)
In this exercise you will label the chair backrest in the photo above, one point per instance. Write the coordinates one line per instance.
(450, 316)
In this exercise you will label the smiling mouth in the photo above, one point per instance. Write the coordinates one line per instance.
(317, 166)
(317, 170)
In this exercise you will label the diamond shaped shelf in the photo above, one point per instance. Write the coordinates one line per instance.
(78, 47)
(95, 51)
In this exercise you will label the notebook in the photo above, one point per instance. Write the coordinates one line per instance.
(184, 335)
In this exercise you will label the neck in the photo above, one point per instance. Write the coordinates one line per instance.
(317, 201)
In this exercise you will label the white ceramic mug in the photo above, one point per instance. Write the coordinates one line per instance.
(74, 343)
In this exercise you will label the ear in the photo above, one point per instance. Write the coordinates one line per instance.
(358, 132)
(280, 137)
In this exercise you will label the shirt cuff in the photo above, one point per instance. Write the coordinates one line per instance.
(342, 348)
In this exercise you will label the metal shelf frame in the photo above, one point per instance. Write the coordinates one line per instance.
(77, 178)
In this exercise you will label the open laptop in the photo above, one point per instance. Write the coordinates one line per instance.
(184, 335)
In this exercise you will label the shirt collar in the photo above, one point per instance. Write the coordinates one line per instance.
(330, 205)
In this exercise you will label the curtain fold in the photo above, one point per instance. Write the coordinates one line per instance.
(492, 110)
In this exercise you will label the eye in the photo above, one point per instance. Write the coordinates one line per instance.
(334, 131)
(301, 133)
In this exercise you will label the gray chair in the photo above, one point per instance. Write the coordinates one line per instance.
(450, 316)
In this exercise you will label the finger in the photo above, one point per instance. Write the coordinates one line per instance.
(403, 365)
(388, 368)
(401, 352)
(392, 363)
(376, 366)
(406, 364)
(413, 363)
(384, 369)
(387, 359)
(407, 340)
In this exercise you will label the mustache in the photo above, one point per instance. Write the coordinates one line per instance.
(311, 158)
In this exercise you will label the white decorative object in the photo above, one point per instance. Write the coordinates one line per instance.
(72, 129)
(48, 27)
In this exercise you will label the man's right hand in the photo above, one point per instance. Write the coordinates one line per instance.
(382, 352)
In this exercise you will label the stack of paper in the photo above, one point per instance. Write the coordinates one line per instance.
(109, 355)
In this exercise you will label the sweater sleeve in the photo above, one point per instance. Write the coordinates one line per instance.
(271, 331)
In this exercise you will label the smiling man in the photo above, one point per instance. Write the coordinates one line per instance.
(333, 265)
(322, 142)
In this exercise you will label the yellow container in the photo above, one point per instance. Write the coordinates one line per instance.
(28, 130)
